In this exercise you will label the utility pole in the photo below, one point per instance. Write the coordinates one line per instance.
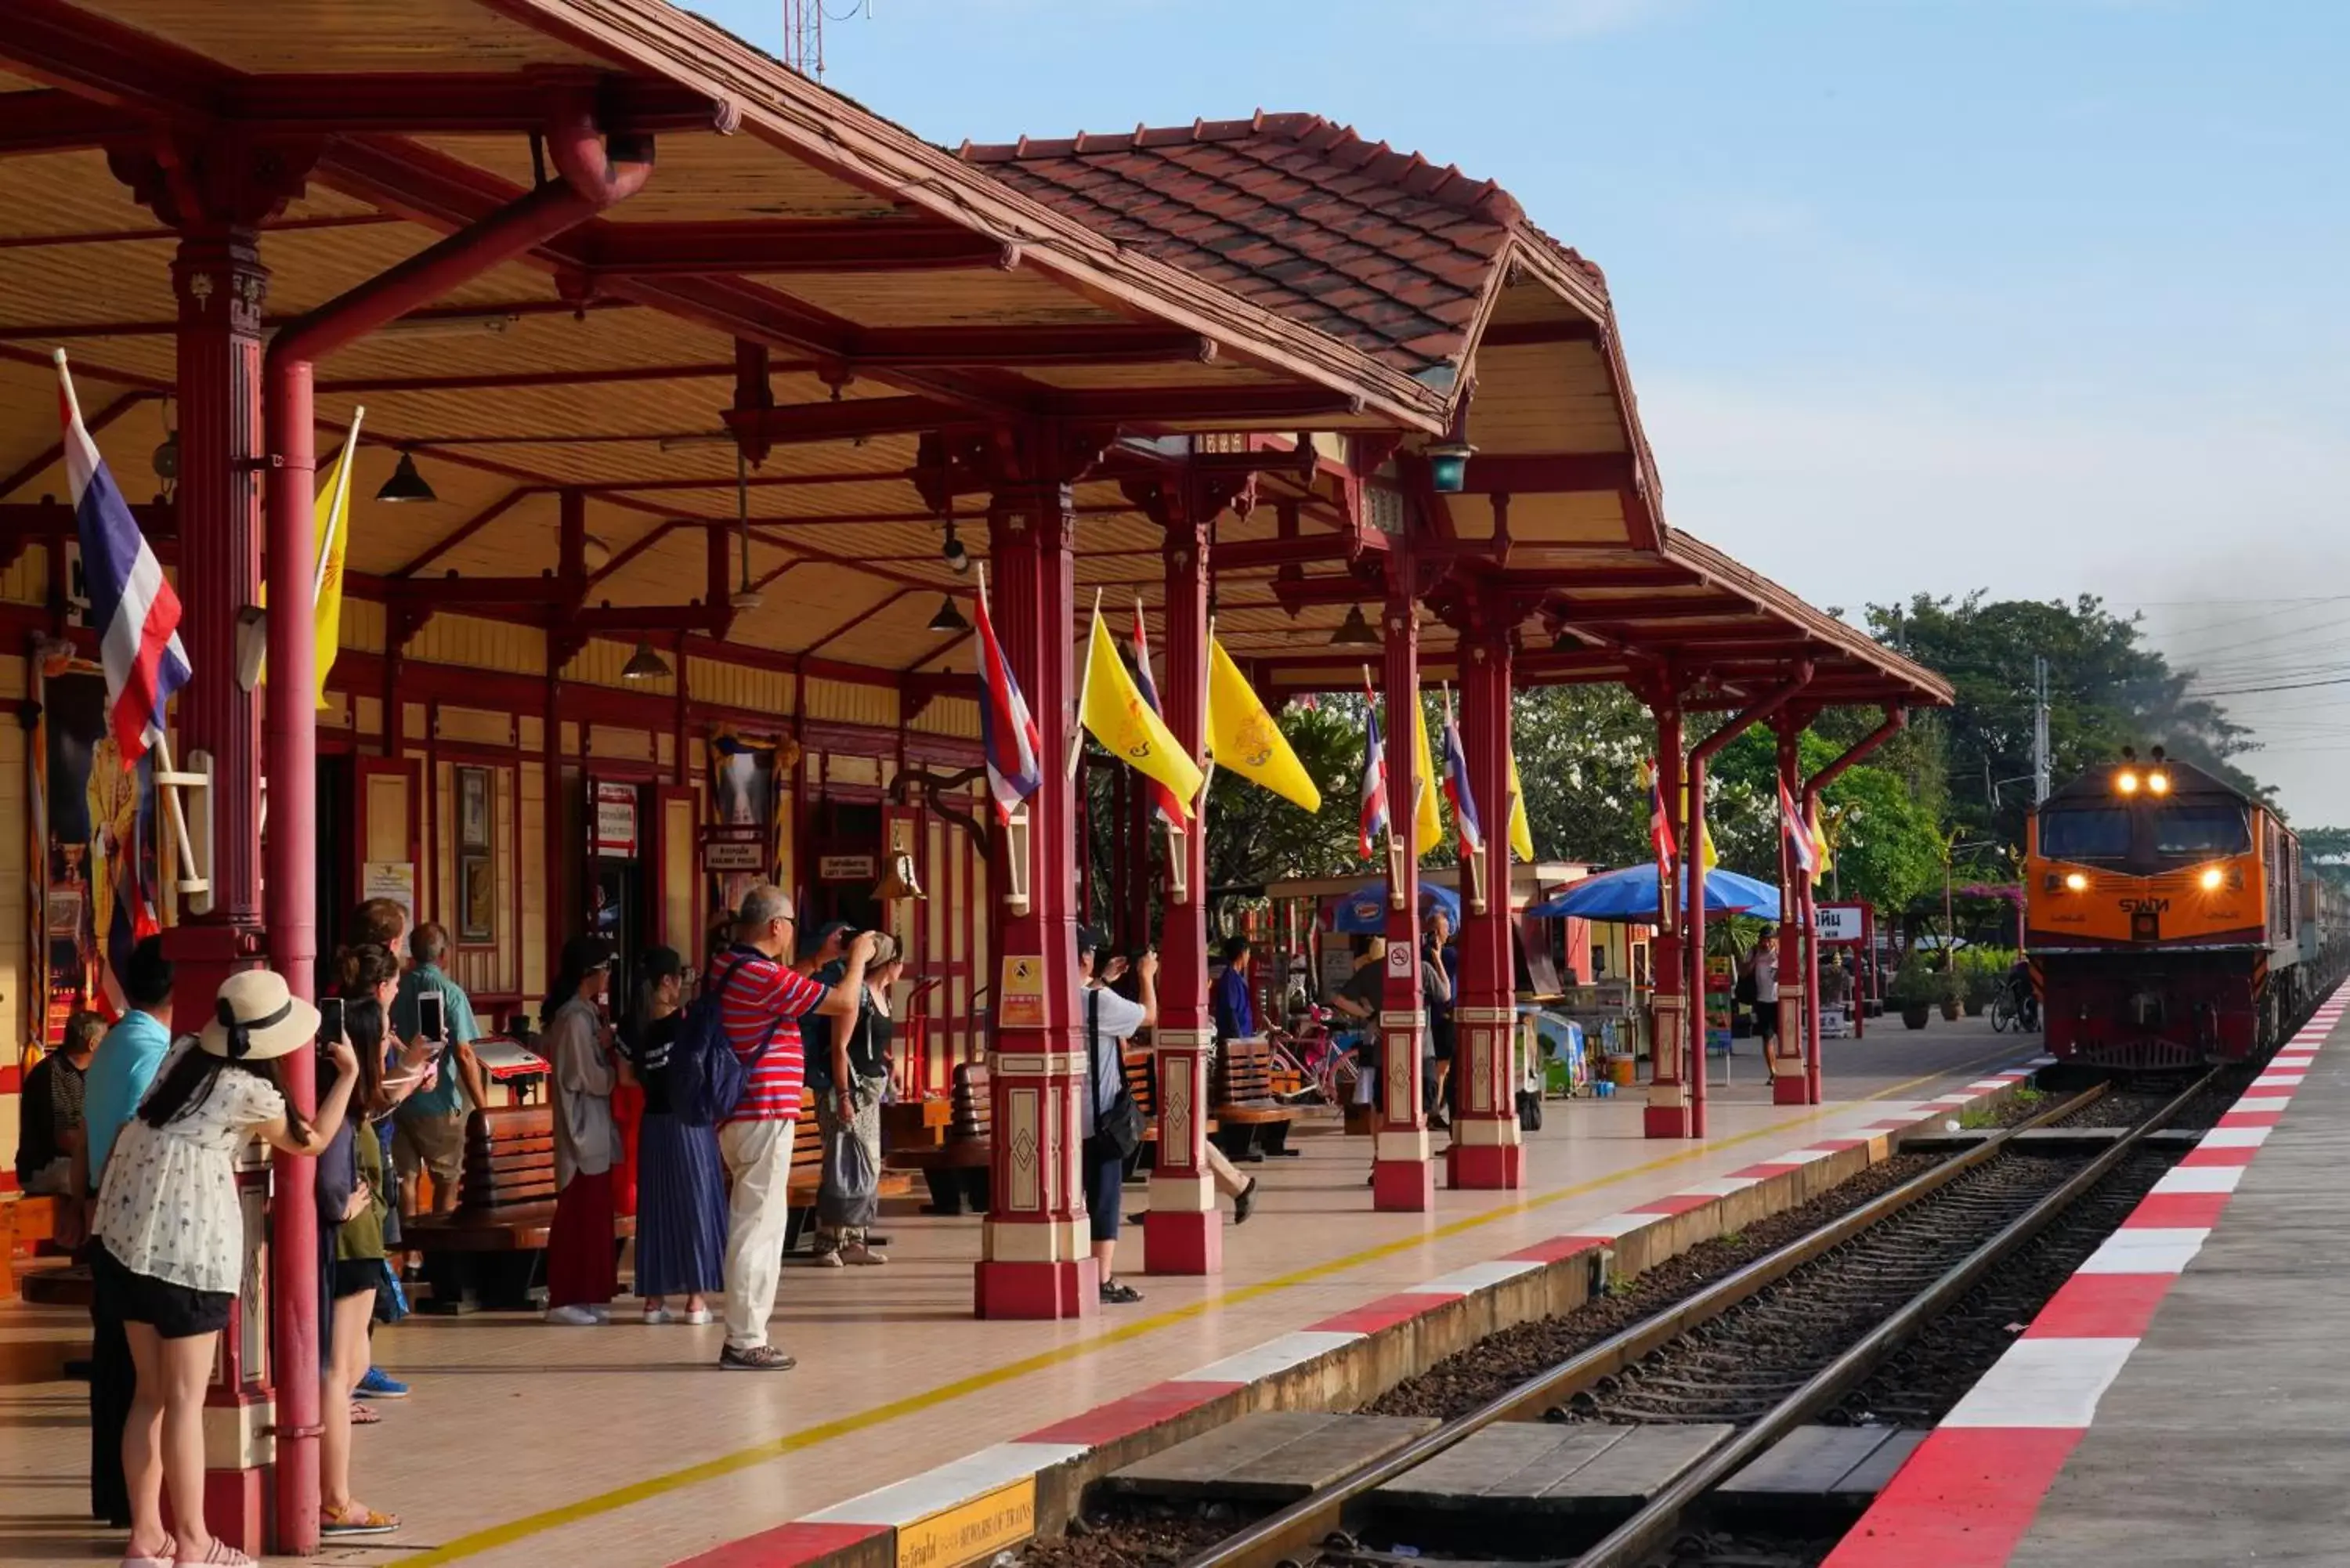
(2040, 758)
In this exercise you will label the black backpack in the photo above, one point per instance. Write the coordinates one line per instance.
(1118, 1131)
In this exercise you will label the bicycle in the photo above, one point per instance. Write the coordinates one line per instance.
(2012, 1008)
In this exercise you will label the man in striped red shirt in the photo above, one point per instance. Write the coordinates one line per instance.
(763, 996)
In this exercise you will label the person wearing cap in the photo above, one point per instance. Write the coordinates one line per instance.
(762, 996)
(848, 1075)
(582, 1251)
(1105, 1021)
(681, 1180)
(427, 1134)
(168, 1245)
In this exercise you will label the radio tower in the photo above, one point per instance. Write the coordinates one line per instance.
(804, 38)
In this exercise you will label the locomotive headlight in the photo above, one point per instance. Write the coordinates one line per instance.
(2126, 781)
(2158, 784)
(2212, 878)
(2076, 881)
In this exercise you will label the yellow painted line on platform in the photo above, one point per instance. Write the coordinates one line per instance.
(528, 1525)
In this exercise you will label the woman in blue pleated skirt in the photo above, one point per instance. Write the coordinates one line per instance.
(681, 1182)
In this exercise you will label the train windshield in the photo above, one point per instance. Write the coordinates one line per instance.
(2201, 830)
(2085, 833)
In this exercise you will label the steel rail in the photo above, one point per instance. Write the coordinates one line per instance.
(1305, 1521)
(1641, 1533)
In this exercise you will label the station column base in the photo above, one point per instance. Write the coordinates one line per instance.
(1069, 1288)
(1403, 1176)
(1183, 1233)
(1790, 1090)
(240, 1452)
(1485, 1166)
(1668, 1113)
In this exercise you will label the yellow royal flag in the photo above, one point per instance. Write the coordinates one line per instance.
(1704, 836)
(1521, 832)
(1428, 822)
(1244, 738)
(1821, 853)
(1119, 719)
(333, 532)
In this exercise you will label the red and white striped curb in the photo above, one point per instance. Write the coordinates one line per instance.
(1965, 1499)
(863, 1519)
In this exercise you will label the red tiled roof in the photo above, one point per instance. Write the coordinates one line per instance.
(1380, 249)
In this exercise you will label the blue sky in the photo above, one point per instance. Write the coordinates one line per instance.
(2043, 296)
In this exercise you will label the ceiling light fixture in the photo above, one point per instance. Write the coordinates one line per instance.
(456, 324)
(1354, 631)
(645, 664)
(746, 597)
(957, 558)
(405, 484)
(949, 617)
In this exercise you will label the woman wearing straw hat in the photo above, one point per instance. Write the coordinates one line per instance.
(170, 1239)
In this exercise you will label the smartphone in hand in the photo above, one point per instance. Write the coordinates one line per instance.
(433, 1017)
(330, 1020)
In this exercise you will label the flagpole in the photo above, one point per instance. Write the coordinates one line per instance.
(1084, 680)
(334, 512)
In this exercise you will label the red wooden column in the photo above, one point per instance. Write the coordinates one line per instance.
(1036, 1257)
(1792, 1050)
(1184, 1233)
(1813, 1092)
(1668, 1113)
(220, 283)
(1403, 1176)
(1486, 1150)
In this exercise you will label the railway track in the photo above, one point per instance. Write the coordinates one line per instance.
(1780, 1342)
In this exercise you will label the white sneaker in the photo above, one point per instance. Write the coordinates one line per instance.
(602, 1312)
(696, 1318)
(656, 1315)
(573, 1317)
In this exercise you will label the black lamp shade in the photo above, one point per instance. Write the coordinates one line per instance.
(1355, 632)
(645, 664)
(947, 617)
(406, 483)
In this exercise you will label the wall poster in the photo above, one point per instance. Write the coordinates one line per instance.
(747, 785)
(94, 837)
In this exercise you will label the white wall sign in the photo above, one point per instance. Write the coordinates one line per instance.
(1840, 923)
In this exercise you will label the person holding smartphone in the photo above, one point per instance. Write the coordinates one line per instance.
(582, 1259)
(428, 1132)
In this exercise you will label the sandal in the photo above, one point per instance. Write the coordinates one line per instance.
(132, 1560)
(356, 1520)
(364, 1415)
(219, 1554)
(1117, 1293)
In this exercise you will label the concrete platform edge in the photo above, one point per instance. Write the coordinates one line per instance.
(1969, 1494)
(1343, 1361)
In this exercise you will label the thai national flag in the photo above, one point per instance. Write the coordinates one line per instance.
(1799, 835)
(135, 611)
(1660, 824)
(1375, 774)
(1164, 802)
(1006, 730)
(1456, 784)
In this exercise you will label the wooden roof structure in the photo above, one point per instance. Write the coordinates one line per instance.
(805, 280)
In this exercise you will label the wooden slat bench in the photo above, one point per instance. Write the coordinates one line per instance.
(1141, 1065)
(957, 1169)
(807, 1175)
(1250, 1122)
(488, 1251)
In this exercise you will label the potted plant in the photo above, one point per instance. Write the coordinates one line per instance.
(1951, 988)
(1912, 994)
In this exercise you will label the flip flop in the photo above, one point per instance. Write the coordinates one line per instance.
(364, 1415)
(219, 1554)
(356, 1520)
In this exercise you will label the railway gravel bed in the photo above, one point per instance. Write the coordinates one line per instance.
(1740, 1365)
(2121, 1108)
(1470, 1378)
(1140, 1535)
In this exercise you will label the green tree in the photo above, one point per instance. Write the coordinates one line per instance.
(2107, 690)
(1579, 750)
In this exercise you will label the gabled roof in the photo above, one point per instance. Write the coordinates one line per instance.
(1380, 249)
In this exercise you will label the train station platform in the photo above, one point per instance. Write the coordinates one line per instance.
(2180, 1402)
(527, 1444)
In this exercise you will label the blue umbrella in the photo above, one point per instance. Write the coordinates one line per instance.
(1364, 912)
(1629, 896)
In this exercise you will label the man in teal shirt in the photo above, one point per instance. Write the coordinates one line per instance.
(429, 1130)
(127, 1059)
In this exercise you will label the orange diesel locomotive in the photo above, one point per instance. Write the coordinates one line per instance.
(2162, 917)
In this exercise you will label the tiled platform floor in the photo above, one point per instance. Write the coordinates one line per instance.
(529, 1445)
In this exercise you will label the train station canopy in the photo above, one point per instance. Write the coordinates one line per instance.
(735, 413)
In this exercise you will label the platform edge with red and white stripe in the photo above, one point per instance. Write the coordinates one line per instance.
(1967, 1495)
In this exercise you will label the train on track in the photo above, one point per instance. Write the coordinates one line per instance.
(2169, 919)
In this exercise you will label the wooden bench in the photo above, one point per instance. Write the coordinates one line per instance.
(1251, 1121)
(807, 1175)
(956, 1170)
(27, 1223)
(489, 1250)
(1141, 1065)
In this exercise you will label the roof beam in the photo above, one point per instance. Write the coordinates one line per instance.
(466, 530)
(846, 420)
(1693, 606)
(1526, 334)
(837, 244)
(1303, 549)
(53, 121)
(1555, 473)
(511, 378)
